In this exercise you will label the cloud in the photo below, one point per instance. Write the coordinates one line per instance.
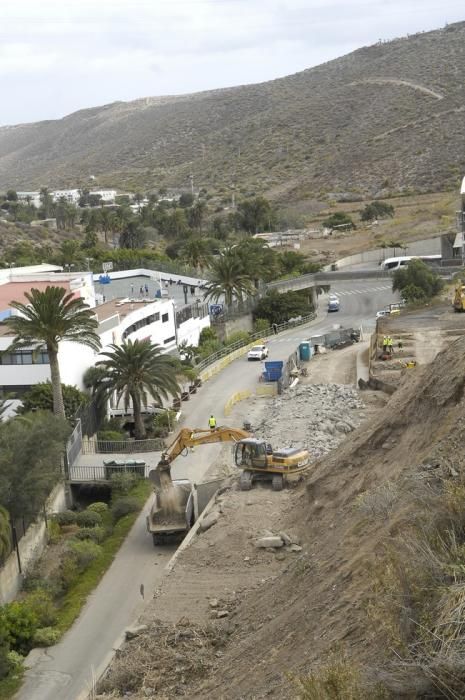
(56, 57)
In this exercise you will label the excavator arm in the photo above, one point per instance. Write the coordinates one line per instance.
(188, 438)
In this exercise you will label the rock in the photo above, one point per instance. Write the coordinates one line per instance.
(213, 603)
(280, 556)
(221, 613)
(208, 522)
(285, 537)
(295, 548)
(133, 632)
(273, 541)
(343, 427)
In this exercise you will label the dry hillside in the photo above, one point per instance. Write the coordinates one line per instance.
(385, 118)
(376, 594)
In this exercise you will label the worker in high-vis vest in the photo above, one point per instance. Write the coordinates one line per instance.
(212, 422)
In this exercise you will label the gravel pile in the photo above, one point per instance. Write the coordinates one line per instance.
(317, 416)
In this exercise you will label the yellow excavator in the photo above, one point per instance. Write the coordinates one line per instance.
(255, 457)
(176, 503)
(459, 298)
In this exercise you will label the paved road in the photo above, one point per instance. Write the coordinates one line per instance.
(65, 671)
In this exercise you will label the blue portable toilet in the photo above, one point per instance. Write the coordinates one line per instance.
(304, 352)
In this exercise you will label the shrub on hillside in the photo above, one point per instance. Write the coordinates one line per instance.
(44, 609)
(124, 506)
(123, 482)
(377, 210)
(84, 553)
(66, 517)
(20, 622)
(98, 507)
(88, 518)
(95, 534)
(46, 636)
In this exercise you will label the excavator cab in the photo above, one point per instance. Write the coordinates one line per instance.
(251, 453)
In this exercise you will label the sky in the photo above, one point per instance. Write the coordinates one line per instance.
(58, 56)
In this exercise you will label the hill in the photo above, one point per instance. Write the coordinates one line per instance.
(383, 119)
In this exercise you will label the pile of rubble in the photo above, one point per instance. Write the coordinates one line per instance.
(317, 416)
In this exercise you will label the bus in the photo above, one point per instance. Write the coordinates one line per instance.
(403, 261)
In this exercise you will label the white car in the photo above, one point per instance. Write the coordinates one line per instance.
(258, 352)
(384, 312)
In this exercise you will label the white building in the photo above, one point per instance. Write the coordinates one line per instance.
(107, 196)
(118, 319)
(71, 196)
(30, 198)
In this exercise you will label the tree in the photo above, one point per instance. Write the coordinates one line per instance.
(395, 243)
(279, 308)
(46, 319)
(228, 278)
(46, 200)
(40, 398)
(136, 371)
(377, 210)
(11, 196)
(417, 281)
(30, 461)
(197, 214)
(132, 236)
(339, 220)
(5, 534)
(186, 200)
(256, 215)
(195, 252)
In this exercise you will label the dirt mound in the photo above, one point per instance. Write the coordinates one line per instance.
(322, 601)
(381, 523)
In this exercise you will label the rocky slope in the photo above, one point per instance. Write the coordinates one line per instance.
(383, 118)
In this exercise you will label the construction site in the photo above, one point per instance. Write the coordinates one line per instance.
(350, 582)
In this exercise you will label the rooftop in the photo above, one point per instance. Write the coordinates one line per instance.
(123, 307)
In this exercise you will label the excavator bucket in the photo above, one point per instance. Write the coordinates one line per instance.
(161, 476)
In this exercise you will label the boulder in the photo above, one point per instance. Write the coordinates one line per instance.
(273, 541)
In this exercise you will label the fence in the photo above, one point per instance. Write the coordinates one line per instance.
(270, 331)
(100, 472)
(73, 446)
(128, 447)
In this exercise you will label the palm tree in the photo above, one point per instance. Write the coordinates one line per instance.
(228, 278)
(195, 252)
(48, 318)
(5, 534)
(137, 370)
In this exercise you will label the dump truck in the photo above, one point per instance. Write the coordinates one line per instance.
(172, 513)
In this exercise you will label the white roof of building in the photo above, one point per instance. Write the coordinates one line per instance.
(462, 189)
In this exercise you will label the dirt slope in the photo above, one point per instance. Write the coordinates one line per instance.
(324, 599)
(394, 128)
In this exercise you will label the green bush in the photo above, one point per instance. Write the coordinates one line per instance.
(236, 337)
(44, 609)
(84, 553)
(66, 517)
(95, 534)
(88, 518)
(260, 325)
(68, 570)
(123, 506)
(417, 282)
(5, 663)
(98, 507)
(53, 531)
(123, 482)
(110, 436)
(46, 636)
(20, 622)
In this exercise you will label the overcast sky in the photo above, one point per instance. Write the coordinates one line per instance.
(57, 56)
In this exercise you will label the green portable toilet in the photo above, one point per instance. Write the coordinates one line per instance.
(304, 352)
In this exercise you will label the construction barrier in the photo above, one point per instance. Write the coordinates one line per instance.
(210, 372)
(235, 398)
(267, 389)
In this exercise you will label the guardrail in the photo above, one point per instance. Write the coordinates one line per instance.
(82, 473)
(127, 447)
(268, 332)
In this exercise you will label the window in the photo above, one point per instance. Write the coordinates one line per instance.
(25, 357)
(140, 324)
(164, 318)
(169, 340)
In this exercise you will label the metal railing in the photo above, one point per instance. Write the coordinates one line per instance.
(127, 447)
(101, 472)
(270, 331)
